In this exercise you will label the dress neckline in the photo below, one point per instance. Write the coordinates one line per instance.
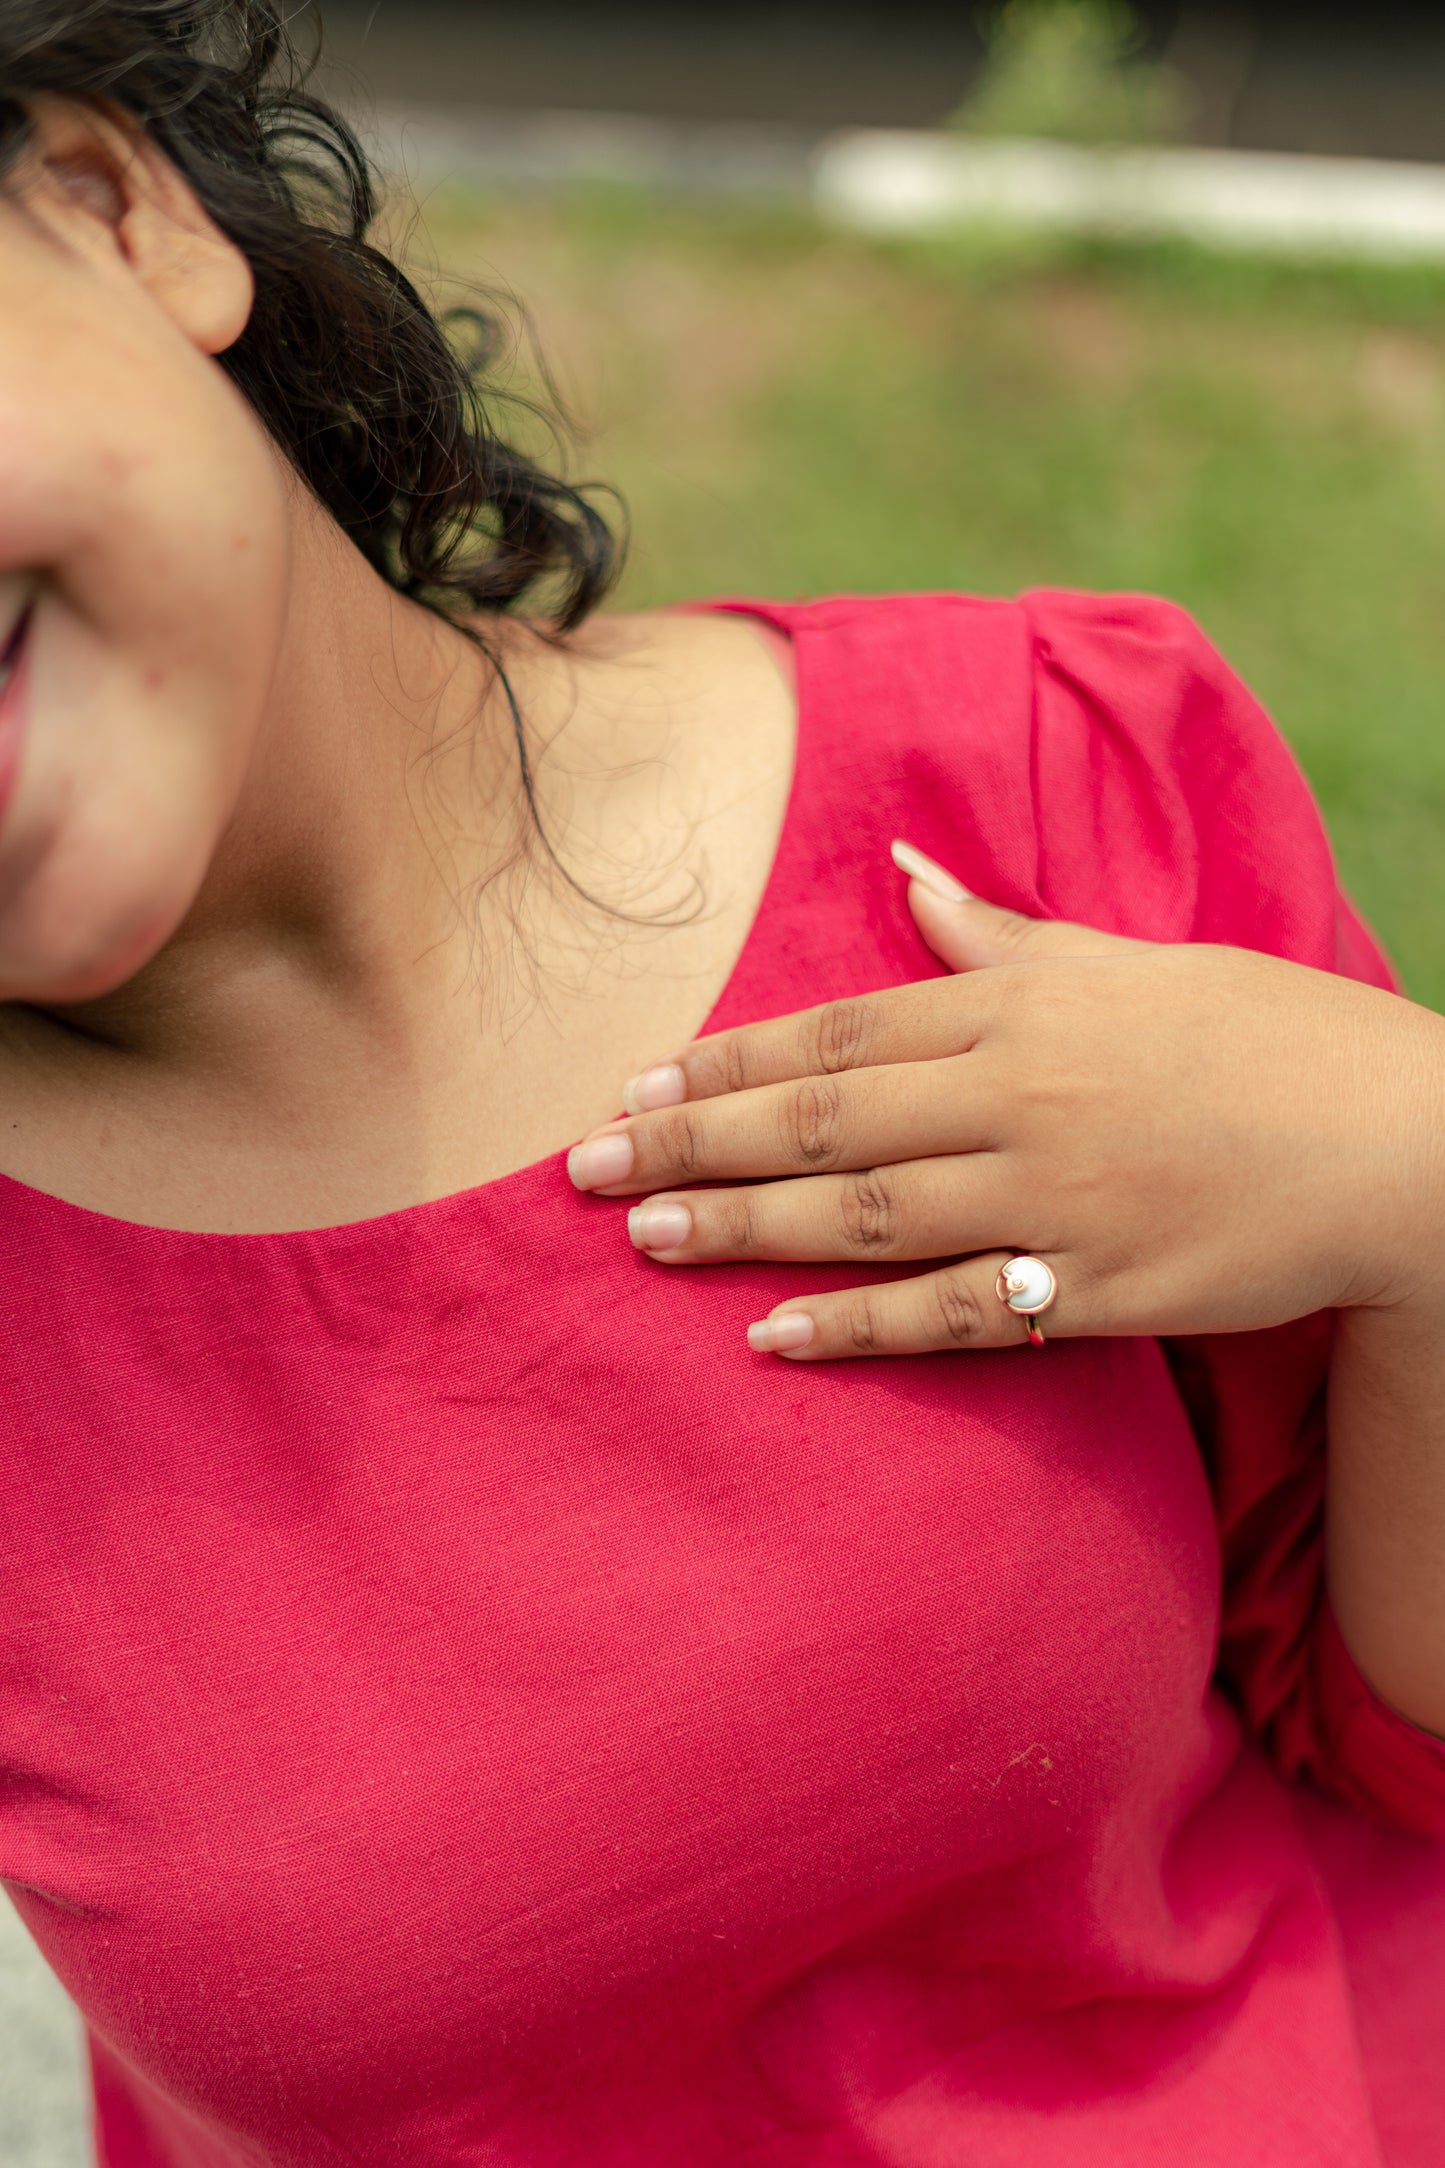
(784, 618)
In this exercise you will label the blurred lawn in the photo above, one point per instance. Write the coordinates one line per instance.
(795, 412)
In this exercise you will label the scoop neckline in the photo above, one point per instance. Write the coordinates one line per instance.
(784, 618)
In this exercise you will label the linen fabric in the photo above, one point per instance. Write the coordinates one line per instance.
(458, 1706)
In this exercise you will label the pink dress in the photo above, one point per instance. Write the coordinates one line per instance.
(458, 1706)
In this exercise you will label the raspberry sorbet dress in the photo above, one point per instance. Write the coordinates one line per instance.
(457, 1705)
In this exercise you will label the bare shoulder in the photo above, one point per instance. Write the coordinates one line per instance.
(705, 695)
(697, 660)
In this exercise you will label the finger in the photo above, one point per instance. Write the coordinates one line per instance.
(919, 1022)
(970, 934)
(815, 1125)
(872, 1215)
(956, 1307)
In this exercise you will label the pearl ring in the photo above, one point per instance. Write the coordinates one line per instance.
(1027, 1287)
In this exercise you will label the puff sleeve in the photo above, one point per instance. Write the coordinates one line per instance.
(1167, 807)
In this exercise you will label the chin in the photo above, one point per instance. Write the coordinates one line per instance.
(87, 960)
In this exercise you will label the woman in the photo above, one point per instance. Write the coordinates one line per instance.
(458, 1704)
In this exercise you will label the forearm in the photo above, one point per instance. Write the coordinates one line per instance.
(1386, 1489)
(1385, 1523)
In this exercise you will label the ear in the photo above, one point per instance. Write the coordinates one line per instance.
(100, 186)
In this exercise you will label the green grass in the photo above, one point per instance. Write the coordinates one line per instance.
(789, 411)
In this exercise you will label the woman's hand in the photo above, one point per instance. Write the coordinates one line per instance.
(1192, 1138)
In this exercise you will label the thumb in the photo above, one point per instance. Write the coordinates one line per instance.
(969, 934)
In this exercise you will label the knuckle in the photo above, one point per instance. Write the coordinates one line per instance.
(860, 1325)
(842, 1036)
(683, 1141)
(960, 1314)
(814, 1120)
(734, 1065)
(869, 1213)
(741, 1230)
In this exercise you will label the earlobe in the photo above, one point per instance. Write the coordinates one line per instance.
(198, 276)
(191, 269)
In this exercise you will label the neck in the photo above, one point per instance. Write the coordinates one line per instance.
(383, 793)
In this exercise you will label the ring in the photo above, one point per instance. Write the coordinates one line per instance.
(1026, 1286)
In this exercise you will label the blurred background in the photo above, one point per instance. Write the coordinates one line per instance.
(792, 404)
(1294, 75)
(791, 407)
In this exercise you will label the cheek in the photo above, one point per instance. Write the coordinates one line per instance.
(137, 481)
(159, 520)
(128, 775)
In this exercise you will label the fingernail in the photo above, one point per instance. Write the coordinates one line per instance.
(780, 1335)
(664, 1086)
(600, 1161)
(655, 1226)
(934, 878)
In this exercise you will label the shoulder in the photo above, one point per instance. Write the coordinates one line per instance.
(1156, 765)
(646, 683)
(1133, 666)
(1132, 659)
(1141, 668)
(1085, 756)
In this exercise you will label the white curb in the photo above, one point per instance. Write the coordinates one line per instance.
(896, 181)
(914, 181)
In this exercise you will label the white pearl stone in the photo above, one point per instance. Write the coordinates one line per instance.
(1038, 1283)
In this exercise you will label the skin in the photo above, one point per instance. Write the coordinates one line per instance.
(1078, 1097)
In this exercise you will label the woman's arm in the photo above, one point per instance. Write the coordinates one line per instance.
(1385, 1523)
(1195, 1139)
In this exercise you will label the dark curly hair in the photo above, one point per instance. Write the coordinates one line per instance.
(380, 411)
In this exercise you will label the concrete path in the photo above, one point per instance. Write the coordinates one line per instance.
(44, 2103)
